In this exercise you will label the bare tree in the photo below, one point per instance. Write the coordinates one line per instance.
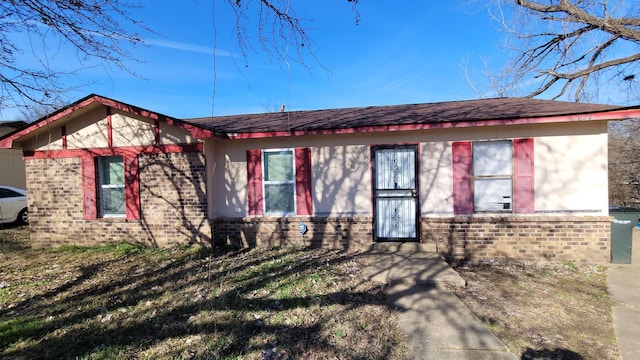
(102, 29)
(570, 48)
(624, 168)
(96, 29)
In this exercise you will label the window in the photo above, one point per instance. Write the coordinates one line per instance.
(493, 176)
(279, 181)
(111, 186)
(7, 193)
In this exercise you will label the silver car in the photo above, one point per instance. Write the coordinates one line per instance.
(13, 205)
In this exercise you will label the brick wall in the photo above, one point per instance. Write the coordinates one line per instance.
(526, 239)
(532, 239)
(173, 212)
(172, 196)
(349, 233)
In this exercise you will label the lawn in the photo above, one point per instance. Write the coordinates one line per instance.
(560, 312)
(124, 301)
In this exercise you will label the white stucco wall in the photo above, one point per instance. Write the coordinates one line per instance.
(571, 170)
(570, 167)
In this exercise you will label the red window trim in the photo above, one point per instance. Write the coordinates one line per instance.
(304, 204)
(89, 201)
(523, 177)
(462, 178)
(254, 185)
(255, 201)
(131, 168)
(131, 186)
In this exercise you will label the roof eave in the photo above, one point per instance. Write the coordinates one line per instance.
(612, 115)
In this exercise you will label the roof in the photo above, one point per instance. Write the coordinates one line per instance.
(7, 127)
(412, 116)
(452, 114)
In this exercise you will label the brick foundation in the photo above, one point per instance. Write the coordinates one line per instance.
(172, 196)
(349, 233)
(526, 239)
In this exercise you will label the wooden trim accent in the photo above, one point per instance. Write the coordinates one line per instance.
(63, 131)
(523, 176)
(254, 183)
(462, 159)
(109, 128)
(156, 131)
(304, 203)
(125, 150)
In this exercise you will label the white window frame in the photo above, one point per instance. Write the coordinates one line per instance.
(102, 187)
(497, 177)
(266, 182)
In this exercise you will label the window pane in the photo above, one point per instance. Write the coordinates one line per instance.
(278, 198)
(6, 193)
(113, 200)
(112, 170)
(278, 166)
(492, 195)
(492, 158)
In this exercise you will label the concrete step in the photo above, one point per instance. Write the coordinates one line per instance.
(403, 246)
(407, 263)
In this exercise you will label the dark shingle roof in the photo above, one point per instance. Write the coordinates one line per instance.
(429, 113)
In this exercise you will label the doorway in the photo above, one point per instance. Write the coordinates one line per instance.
(395, 192)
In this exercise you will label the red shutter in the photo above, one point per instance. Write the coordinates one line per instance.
(254, 183)
(462, 178)
(132, 187)
(90, 210)
(304, 202)
(523, 180)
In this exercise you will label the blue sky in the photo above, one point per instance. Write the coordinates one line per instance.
(403, 51)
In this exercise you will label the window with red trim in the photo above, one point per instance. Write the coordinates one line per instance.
(111, 187)
(111, 197)
(493, 176)
(279, 181)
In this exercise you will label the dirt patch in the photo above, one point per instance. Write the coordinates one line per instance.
(561, 312)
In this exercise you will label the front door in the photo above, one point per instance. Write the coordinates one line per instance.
(395, 170)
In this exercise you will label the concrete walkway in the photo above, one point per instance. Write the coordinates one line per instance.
(437, 325)
(624, 285)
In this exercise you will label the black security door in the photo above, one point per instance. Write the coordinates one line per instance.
(395, 192)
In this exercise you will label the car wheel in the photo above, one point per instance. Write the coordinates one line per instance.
(23, 216)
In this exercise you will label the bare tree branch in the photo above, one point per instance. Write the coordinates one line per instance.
(562, 44)
(96, 29)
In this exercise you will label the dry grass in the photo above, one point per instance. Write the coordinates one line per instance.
(561, 312)
(122, 301)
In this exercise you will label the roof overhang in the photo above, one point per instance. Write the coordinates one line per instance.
(92, 102)
(611, 115)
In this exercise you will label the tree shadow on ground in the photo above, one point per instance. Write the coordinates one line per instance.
(199, 304)
(550, 354)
